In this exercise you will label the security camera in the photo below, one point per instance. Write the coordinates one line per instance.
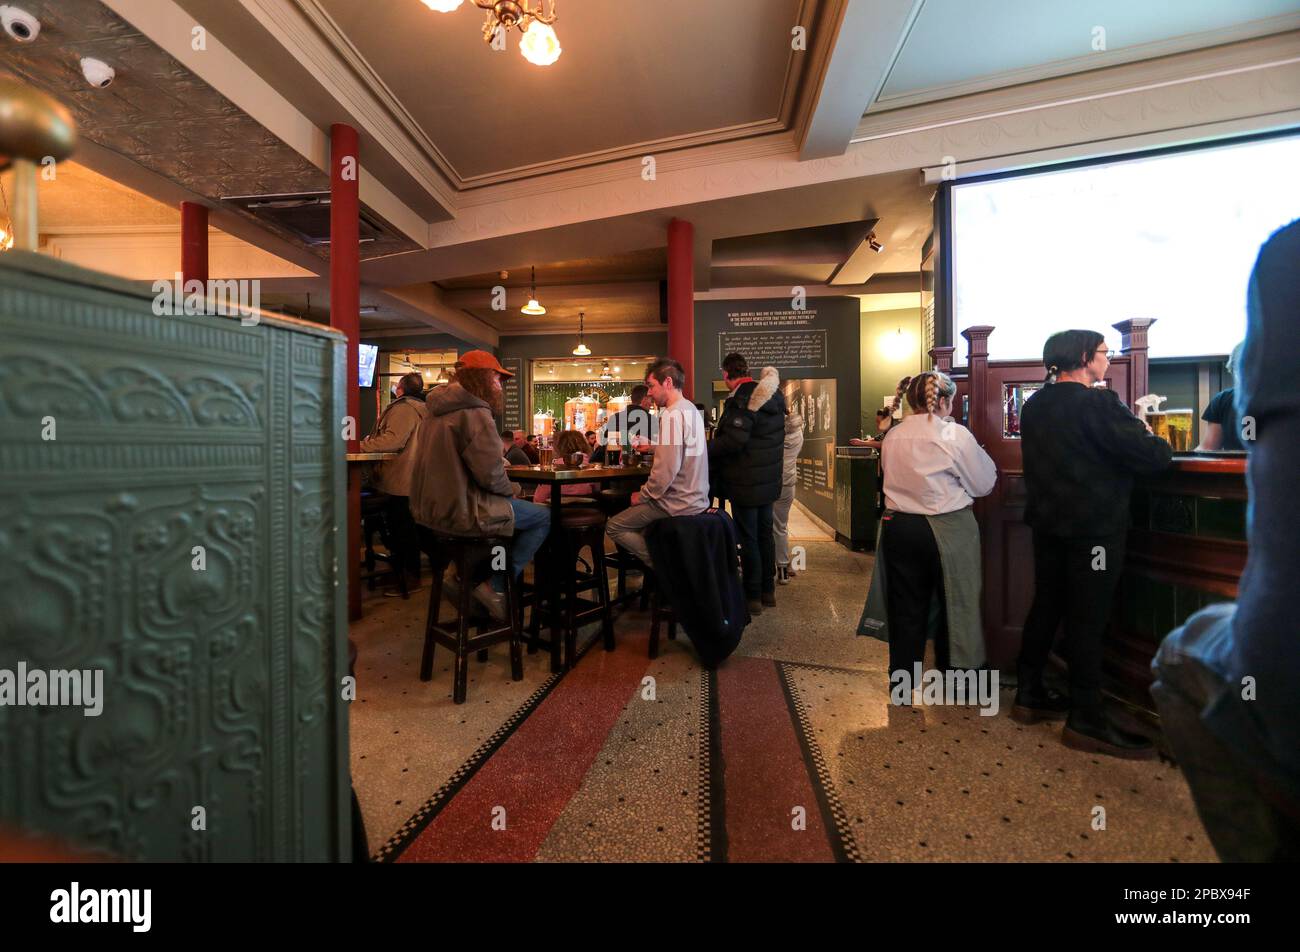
(97, 72)
(20, 24)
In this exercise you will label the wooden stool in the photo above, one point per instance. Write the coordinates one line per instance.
(373, 520)
(659, 611)
(468, 554)
(579, 528)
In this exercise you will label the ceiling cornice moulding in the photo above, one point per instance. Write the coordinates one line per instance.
(1249, 55)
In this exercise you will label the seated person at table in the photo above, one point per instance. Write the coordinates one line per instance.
(459, 487)
(568, 442)
(394, 432)
(679, 479)
(513, 452)
(529, 446)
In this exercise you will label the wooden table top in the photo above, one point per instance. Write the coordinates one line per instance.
(369, 457)
(589, 474)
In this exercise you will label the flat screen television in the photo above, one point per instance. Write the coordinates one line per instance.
(1170, 235)
(367, 356)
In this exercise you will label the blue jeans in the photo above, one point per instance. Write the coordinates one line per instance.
(532, 523)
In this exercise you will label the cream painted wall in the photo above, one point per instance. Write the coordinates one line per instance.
(149, 254)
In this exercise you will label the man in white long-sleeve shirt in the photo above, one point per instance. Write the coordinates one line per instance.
(679, 478)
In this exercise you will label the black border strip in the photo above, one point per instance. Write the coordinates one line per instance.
(712, 771)
(843, 845)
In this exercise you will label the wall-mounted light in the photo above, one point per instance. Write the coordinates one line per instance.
(897, 346)
(873, 244)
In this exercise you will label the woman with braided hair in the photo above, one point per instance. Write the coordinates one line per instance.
(933, 472)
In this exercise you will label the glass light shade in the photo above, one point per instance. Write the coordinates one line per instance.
(582, 350)
(532, 307)
(442, 6)
(6, 240)
(540, 46)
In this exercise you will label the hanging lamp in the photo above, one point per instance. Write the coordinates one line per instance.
(532, 307)
(582, 350)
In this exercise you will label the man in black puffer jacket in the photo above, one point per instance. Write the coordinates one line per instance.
(745, 457)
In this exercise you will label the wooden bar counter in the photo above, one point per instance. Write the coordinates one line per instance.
(1186, 550)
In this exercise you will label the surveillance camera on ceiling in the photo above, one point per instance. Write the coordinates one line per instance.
(97, 72)
(20, 24)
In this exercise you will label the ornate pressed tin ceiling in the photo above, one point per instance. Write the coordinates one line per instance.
(158, 114)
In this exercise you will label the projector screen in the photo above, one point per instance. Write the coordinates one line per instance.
(1172, 237)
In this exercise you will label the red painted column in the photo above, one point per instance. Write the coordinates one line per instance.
(194, 242)
(681, 298)
(345, 315)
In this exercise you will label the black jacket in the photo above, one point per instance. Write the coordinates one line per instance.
(1082, 448)
(696, 562)
(748, 449)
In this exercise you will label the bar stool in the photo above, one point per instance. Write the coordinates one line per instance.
(468, 555)
(660, 612)
(579, 528)
(373, 520)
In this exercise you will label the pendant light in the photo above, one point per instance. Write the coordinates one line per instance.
(532, 307)
(582, 350)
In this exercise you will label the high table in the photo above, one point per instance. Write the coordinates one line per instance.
(557, 479)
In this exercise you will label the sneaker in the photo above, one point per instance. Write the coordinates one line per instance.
(492, 600)
(769, 599)
(782, 575)
(754, 605)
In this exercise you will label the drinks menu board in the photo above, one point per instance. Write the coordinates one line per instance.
(513, 388)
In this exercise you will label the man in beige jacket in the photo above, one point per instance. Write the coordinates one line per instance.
(396, 432)
(459, 486)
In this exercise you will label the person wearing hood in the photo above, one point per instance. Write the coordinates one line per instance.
(746, 460)
(395, 432)
(459, 487)
(781, 508)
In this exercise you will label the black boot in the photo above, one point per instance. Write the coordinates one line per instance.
(1035, 701)
(1088, 729)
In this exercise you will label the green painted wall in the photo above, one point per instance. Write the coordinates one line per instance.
(886, 356)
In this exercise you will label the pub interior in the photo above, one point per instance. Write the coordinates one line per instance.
(441, 431)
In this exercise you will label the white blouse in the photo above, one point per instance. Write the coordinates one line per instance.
(933, 466)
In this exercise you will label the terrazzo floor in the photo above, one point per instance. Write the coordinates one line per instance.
(790, 751)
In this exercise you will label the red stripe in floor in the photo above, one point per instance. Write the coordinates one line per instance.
(764, 772)
(539, 769)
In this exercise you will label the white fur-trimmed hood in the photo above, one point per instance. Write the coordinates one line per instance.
(768, 381)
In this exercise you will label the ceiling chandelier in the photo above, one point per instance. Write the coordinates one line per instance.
(540, 46)
(532, 307)
(604, 372)
(582, 350)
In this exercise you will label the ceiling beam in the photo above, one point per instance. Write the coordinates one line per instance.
(425, 302)
(869, 36)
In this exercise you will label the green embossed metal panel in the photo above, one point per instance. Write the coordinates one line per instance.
(221, 684)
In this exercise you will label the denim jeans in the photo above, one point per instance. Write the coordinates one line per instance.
(757, 548)
(627, 529)
(1245, 810)
(532, 523)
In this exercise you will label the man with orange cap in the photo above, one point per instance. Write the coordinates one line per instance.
(459, 486)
